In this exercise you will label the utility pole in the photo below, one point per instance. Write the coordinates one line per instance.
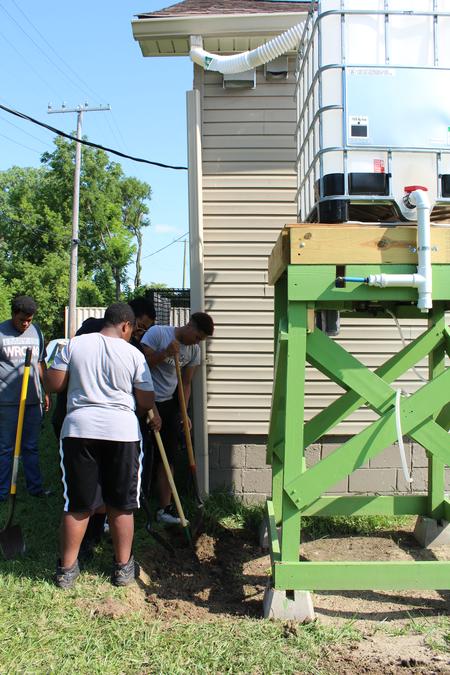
(184, 264)
(73, 279)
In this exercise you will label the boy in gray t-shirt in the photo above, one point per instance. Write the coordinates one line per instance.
(101, 450)
(160, 344)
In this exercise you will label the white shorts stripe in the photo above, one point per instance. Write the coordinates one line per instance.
(139, 481)
(63, 472)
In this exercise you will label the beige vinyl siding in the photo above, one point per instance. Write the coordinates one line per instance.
(249, 186)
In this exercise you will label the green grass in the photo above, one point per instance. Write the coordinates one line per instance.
(46, 630)
(319, 527)
(435, 631)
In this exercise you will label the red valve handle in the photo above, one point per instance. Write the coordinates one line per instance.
(412, 188)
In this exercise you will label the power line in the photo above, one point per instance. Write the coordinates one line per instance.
(24, 132)
(149, 255)
(84, 85)
(36, 72)
(39, 152)
(83, 141)
(38, 46)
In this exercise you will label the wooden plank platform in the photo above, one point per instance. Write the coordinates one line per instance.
(352, 243)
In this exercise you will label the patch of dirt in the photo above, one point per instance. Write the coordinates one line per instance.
(386, 656)
(229, 579)
(108, 608)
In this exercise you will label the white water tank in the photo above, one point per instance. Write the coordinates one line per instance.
(373, 109)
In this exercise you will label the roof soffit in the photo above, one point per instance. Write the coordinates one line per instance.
(169, 36)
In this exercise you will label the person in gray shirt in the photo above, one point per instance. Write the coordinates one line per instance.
(108, 384)
(16, 334)
(160, 344)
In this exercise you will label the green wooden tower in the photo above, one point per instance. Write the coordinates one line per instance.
(304, 266)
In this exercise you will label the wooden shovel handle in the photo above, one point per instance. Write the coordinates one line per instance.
(168, 471)
(184, 415)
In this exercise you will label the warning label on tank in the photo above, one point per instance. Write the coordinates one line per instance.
(378, 165)
(359, 126)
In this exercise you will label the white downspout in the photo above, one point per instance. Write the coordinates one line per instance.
(199, 390)
(416, 196)
(239, 63)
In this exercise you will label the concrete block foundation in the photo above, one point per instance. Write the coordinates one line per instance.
(295, 605)
(237, 463)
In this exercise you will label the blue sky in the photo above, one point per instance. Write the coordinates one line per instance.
(72, 52)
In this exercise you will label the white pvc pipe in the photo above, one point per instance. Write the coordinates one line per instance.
(401, 447)
(423, 279)
(239, 63)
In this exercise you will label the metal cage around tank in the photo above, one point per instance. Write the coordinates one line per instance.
(373, 109)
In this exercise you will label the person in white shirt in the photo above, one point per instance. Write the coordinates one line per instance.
(108, 384)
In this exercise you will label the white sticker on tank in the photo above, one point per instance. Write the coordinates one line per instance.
(379, 72)
(359, 126)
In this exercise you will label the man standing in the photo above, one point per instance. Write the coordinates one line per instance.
(107, 380)
(16, 334)
(160, 344)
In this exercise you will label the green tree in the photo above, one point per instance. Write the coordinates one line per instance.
(35, 230)
(135, 216)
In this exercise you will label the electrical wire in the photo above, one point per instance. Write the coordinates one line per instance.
(35, 71)
(39, 152)
(84, 85)
(27, 133)
(38, 46)
(149, 255)
(83, 141)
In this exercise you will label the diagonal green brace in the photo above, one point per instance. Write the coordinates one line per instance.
(393, 368)
(415, 411)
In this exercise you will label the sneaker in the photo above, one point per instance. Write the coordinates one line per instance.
(168, 515)
(65, 577)
(123, 575)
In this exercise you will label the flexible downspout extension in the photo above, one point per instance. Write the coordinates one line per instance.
(239, 63)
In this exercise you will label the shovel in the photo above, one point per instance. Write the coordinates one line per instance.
(184, 523)
(190, 449)
(11, 540)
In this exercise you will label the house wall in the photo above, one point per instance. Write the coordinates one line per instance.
(249, 194)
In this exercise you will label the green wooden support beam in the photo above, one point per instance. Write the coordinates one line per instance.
(341, 367)
(293, 423)
(414, 410)
(317, 282)
(274, 544)
(276, 426)
(369, 505)
(359, 575)
(414, 352)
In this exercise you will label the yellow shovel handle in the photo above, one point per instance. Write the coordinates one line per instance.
(22, 402)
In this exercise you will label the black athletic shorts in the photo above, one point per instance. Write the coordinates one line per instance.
(98, 471)
(170, 429)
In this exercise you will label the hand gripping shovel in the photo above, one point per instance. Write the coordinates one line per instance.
(11, 539)
(190, 449)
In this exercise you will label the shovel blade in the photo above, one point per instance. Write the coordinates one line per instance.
(12, 543)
